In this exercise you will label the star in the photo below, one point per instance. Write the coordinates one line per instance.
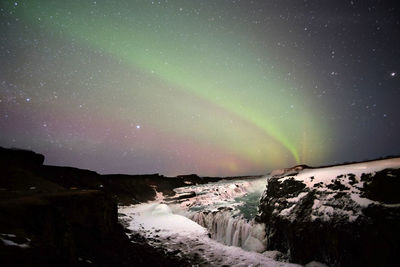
(280, 80)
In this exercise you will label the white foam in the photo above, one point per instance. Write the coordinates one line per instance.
(232, 231)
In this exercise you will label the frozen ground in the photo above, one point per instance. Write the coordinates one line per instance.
(180, 235)
(338, 190)
(324, 175)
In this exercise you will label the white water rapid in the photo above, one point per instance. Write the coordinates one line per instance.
(232, 231)
(211, 224)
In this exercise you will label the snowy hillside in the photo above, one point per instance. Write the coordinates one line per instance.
(326, 182)
(342, 211)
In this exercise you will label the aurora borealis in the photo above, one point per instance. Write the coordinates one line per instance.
(206, 87)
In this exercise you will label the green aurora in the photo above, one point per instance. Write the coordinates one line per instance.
(203, 65)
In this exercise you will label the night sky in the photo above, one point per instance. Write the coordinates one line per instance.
(208, 87)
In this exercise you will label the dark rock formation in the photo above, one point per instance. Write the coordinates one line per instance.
(20, 157)
(289, 171)
(61, 216)
(72, 228)
(345, 220)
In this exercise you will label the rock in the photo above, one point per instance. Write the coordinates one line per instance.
(65, 228)
(288, 171)
(44, 223)
(20, 157)
(337, 216)
(60, 226)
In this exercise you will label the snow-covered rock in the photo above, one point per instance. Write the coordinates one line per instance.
(288, 171)
(343, 215)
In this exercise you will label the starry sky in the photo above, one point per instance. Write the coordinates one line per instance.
(217, 88)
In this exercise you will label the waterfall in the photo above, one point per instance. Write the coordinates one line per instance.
(226, 199)
(232, 231)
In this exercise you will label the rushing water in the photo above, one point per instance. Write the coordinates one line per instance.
(211, 223)
(232, 231)
(249, 204)
(227, 210)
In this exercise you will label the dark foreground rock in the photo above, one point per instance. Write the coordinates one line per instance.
(61, 216)
(70, 229)
(344, 220)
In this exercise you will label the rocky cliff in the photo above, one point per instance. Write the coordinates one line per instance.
(51, 216)
(341, 215)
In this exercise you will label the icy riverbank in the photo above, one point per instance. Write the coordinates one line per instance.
(183, 237)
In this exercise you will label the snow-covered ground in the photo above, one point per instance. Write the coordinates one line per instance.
(177, 233)
(8, 240)
(325, 183)
(324, 175)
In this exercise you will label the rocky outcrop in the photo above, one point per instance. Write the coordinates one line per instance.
(289, 171)
(72, 228)
(56, 228)
(342, 215)
(52, 216)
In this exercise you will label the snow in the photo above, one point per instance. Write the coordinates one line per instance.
(7, 235)
(175, 232)
(287, 211)
(213, 194)
(173, 225)
(7, 242)
(11, 243)
(274, 254)
(315, 264)
(326, 205)
(296, 199)
(160, 216)
(159, 195)
(363, 202)
(325, 175)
